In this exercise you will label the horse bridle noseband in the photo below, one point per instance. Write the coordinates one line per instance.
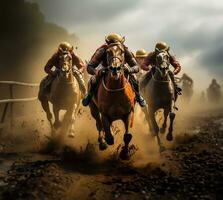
(160, 73)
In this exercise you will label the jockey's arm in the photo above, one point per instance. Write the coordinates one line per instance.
(78, 62)
(50, 64)
(131, 61)
(146, 65)
(95, 61)
(190, 80)
(175, 64)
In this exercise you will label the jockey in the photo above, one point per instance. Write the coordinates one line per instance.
(78, 65)
(100, 57)
(151, 60)
(186, 79)
(214, 85)
(140, 57)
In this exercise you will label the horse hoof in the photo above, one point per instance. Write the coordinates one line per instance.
(57, 125)
(162, 149)
(162, 130)
(169, 137)
(124, 154)
(109, 140)
(103, 146)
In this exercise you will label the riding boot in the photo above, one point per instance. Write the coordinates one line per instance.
(139, 98)
(80, 81)
(177, 89)
(92, 85)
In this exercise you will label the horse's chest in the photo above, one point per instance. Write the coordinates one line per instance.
(63, 95)
(115, 106)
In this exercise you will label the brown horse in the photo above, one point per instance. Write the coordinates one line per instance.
(64, 95)
(114, 100)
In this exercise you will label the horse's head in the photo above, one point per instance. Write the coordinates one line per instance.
(162, 63)
(65, 62)
(115, 59)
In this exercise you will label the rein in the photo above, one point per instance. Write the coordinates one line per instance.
(109, 61)
(114, 90)
(68, 82)
(159, 80)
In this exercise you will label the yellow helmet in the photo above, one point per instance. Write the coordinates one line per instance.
(141, 53)
(114, 37)
(65, 47)
(161, 46)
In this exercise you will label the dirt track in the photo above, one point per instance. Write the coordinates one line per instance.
(191, 169)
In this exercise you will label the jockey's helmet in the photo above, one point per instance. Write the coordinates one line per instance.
(65, 47)
(161, 46)
(113, 38)
(141, 53)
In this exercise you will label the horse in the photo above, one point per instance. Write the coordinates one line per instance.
(159, 94)
(114, 100)
(214, 94)
(64, 94)
(187, 91)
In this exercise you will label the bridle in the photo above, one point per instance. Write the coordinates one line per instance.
(121, 67)
(160, 72)
(69, 65)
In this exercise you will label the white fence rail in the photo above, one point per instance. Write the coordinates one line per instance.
(13, 100)
(19, 83)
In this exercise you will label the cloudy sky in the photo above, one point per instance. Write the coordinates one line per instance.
(193, 28)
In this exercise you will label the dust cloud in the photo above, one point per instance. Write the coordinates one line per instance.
(27, 42)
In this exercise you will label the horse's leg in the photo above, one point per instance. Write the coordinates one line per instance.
(124, 154)
(71, 122)
(68, 122)
(155, 129)
(96, 115)
(57, 122)
(163, 128)
(46, 108)
(169, 136)
(108, 135)
(146, 113)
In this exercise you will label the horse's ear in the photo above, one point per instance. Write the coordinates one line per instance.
(123, 40)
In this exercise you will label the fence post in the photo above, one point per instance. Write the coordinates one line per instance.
(11, 109)
(3, 115)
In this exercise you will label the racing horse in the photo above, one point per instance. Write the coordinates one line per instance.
(187, 90)
(114, 100)
(159, 94)
(64, 94)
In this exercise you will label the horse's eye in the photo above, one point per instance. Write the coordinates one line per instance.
(111, 68)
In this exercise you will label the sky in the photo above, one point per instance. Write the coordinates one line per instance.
(192, 28)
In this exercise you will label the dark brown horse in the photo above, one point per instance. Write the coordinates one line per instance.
(114, 100)
(159, 94)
